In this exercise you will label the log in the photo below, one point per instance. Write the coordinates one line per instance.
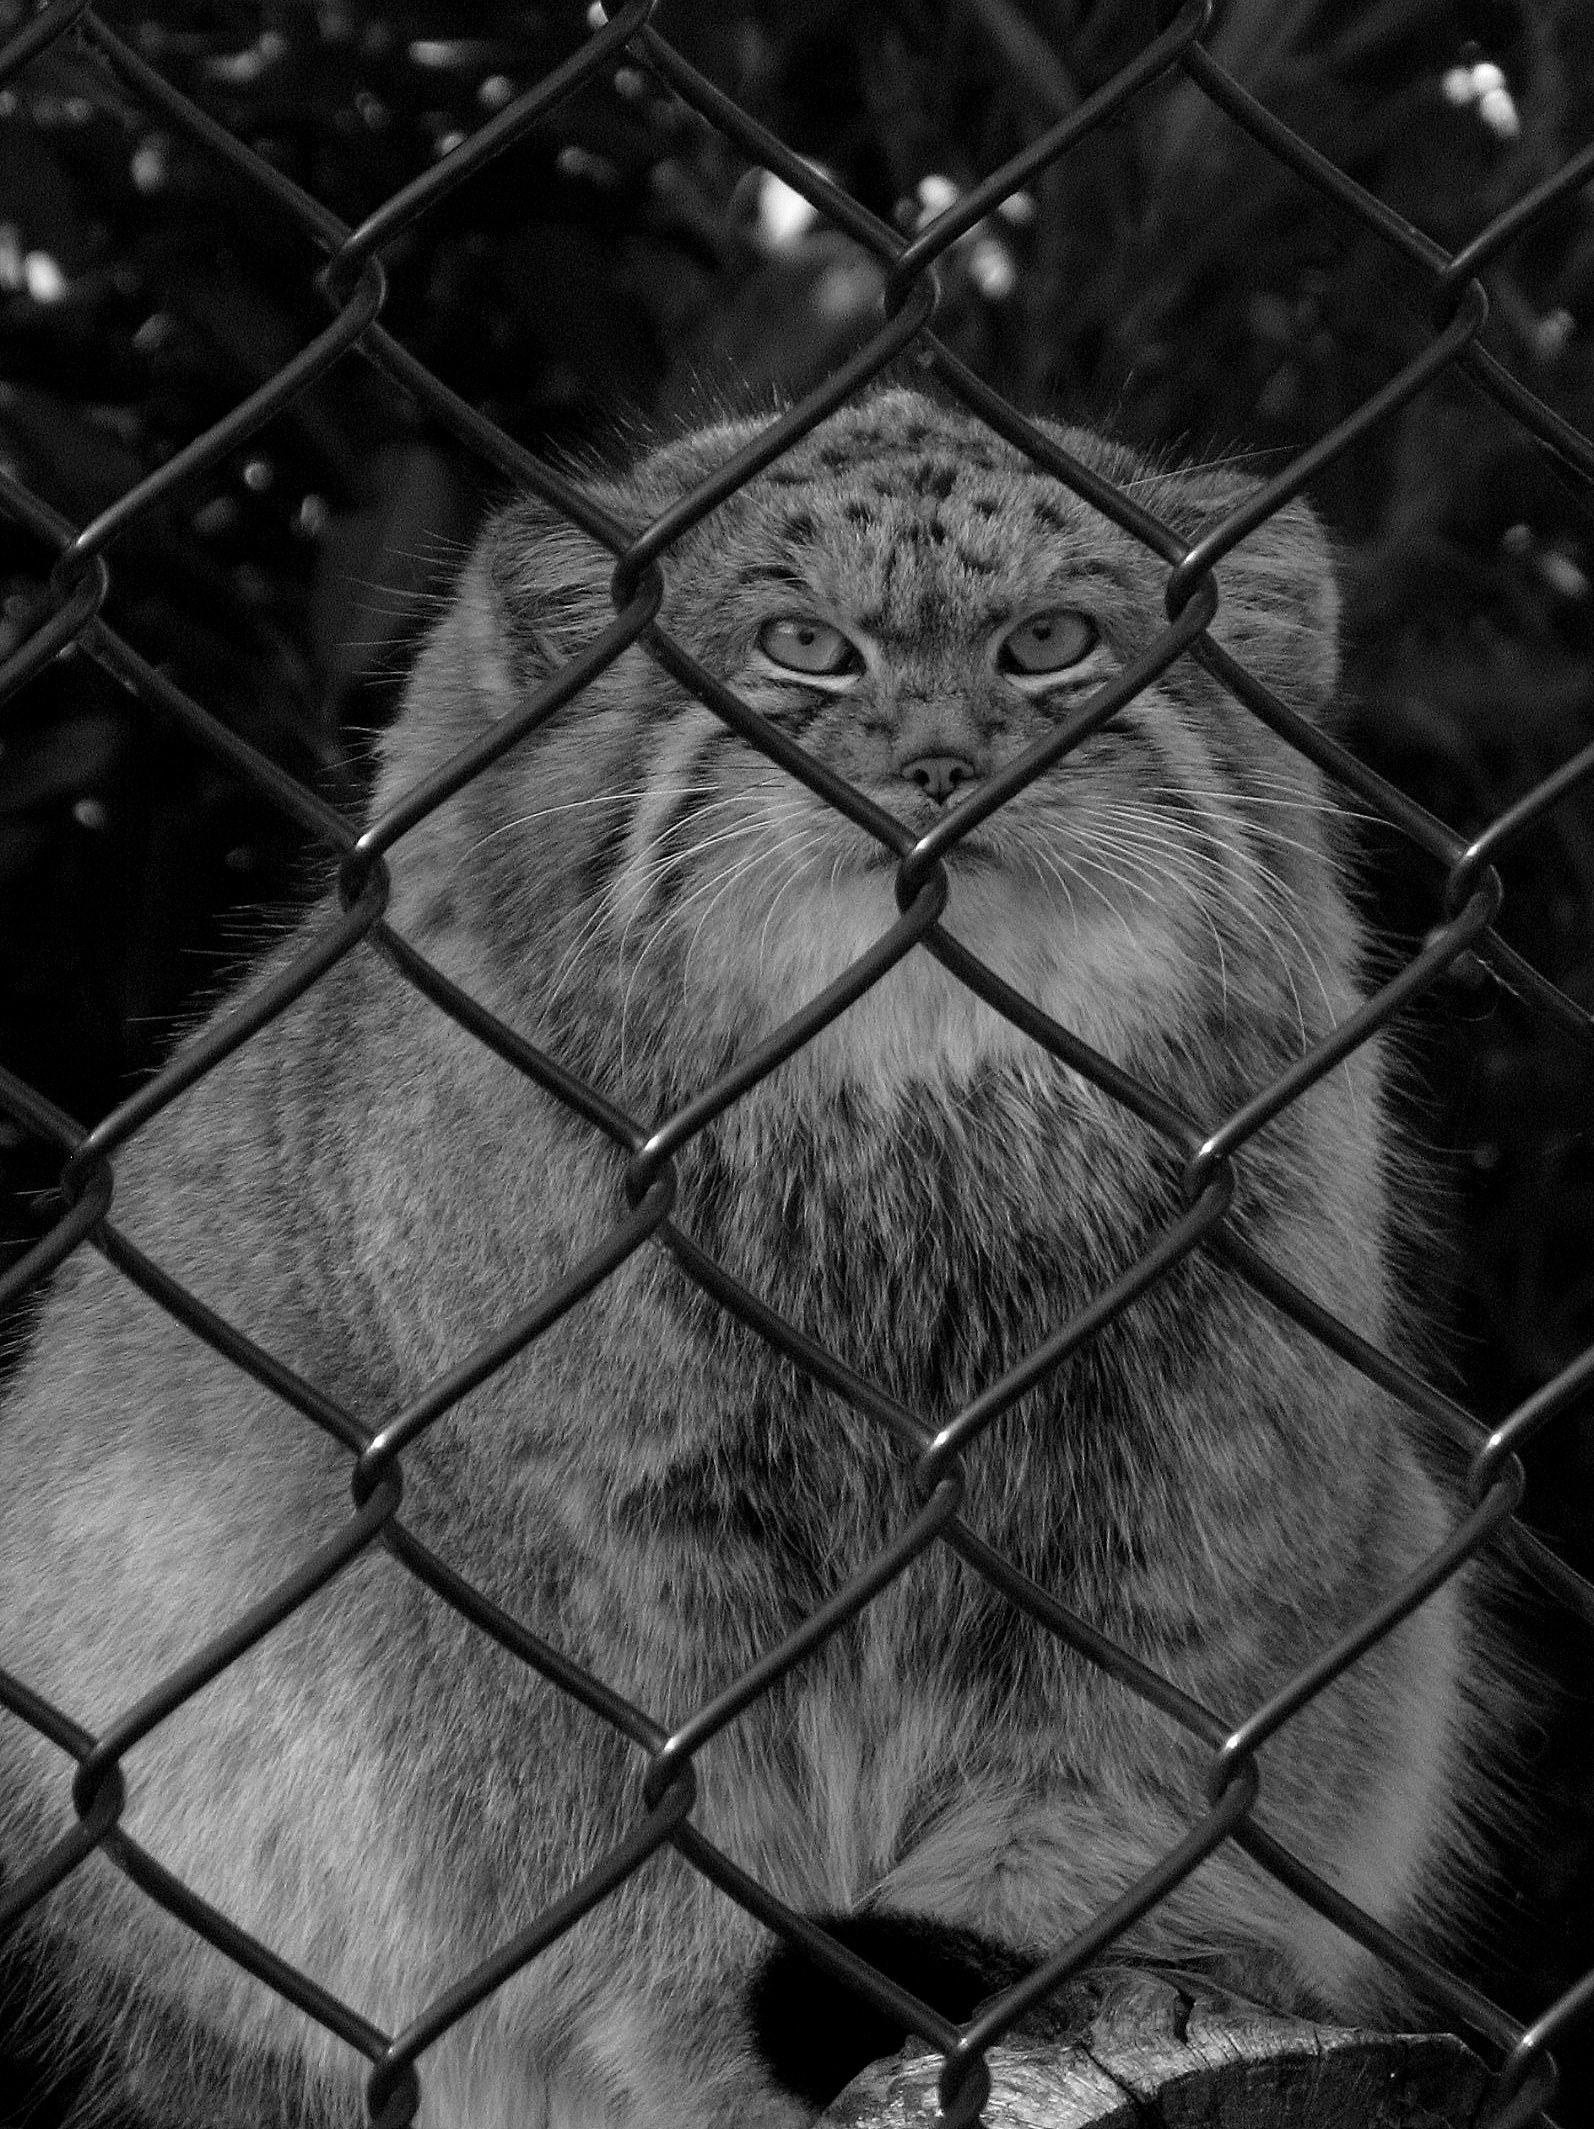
(1154, 2053)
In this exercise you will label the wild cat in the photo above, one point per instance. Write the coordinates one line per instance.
(376, 1791)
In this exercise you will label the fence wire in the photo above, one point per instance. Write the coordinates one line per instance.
(351, 279)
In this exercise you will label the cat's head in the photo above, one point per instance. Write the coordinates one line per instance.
(916, 604)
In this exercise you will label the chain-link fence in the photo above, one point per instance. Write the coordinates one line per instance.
(1467, 899)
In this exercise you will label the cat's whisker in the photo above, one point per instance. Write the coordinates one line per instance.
(1048, 859)
(1131, 878)
(716, 886)
(660, 870)
(1152, 862)
(798, 866)
(1207, 877)
(530, 818)
(769, 853)
(1291, 800)
(1177, 827)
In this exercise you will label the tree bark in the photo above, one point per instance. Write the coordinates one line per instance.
(1160, 2054)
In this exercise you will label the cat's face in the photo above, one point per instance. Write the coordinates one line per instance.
(916, 605)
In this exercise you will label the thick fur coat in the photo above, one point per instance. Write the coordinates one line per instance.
(377, 1791)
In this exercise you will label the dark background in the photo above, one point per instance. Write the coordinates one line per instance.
(1168, 281)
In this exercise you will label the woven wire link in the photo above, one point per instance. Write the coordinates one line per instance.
(345, 266)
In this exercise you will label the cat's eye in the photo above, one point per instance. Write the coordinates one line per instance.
(1048, 642)
(805, 644)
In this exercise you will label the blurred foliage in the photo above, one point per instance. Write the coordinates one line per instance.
(1167, 280)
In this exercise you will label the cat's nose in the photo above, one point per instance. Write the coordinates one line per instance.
(939, 775)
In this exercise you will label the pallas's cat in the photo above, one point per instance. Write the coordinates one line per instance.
(376, 1790)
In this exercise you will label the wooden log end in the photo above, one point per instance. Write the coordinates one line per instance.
(1152, 2052)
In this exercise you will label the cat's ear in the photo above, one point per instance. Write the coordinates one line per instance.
(536, 591)
(538, 588)
(1278, 610)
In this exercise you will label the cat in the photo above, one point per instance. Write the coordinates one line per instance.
(382, 1795)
